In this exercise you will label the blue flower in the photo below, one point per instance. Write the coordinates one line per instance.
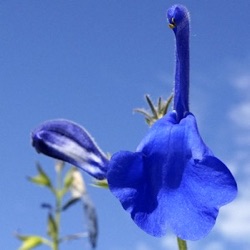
(172, 180)
(67, 141)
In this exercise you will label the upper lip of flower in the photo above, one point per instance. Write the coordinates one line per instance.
(172, 24)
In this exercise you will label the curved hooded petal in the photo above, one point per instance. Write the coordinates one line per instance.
(172, 181)
(67, 141)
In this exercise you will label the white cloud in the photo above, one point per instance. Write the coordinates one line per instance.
(214, 245)
(240, 163)
(243, 139)
(242, 82)
(169, 242)
(240, 115)
(142, 246)
(235, 223)
(234, 219)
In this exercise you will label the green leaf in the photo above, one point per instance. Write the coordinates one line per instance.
(68, 179)
(70, 203)
(41, 179)
(52, 227)
(30, 241)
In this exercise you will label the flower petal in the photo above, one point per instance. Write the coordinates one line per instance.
(130, 183)
(67, 141)
(173, 180)
(206, 186)
(126, 178)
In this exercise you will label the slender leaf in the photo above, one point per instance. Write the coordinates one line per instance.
(30, 241)
(92, 221)
(68, 179)
(42, 178)
(52, 227)
(70, 203)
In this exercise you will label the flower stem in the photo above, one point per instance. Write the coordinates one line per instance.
(182, 244)
(58, 209)
(57, 221)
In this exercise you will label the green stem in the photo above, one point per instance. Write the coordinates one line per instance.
(58, 195)
(182, 244)
(57, 222)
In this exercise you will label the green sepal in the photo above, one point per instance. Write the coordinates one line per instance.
(41, 179)
(156, 111)
(101, 184)
(30, 241)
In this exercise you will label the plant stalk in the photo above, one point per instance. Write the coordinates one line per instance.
(182, 244)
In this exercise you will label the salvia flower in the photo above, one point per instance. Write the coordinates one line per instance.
(172, 180)
(67, 141)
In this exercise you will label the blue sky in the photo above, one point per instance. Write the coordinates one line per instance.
(93, 62)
